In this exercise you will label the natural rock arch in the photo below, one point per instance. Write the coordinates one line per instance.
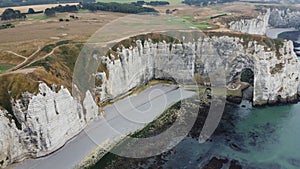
(200, 57)
(247, 75)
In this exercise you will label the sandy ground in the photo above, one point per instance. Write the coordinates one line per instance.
(122, 117)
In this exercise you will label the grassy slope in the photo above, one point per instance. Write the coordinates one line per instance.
(9, 59)
(37, 16)
(201, 24)
(56, 69)
(4, 68)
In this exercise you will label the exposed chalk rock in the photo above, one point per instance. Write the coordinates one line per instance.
(278, 18)
(48, 120)
(275, 72)
(284, 18)
(252, 26)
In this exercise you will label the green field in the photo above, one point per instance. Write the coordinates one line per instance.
(3, 68)
(128, 1)
(37, 16)
(201, 25)
(188, 17)
(83, 11)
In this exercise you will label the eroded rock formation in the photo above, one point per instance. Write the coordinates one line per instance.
(252, 26)
(47, 119)
(275, 71)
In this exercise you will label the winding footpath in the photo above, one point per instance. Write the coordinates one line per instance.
(124, 116)
(14, 53)
(25, 62)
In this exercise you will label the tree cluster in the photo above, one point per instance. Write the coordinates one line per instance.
(10, 14)
(67, 8)
(6, 3)
(152, 3)
(50, 12)
(205, 2)
(61, 20)
(117, 7)
(32, 11)
(7, 25)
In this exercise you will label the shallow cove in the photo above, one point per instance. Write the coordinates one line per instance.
(265, 137)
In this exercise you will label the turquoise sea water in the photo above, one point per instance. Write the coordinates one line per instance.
(267, 137)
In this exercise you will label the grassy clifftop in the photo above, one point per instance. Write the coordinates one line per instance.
(54, 69)
(272, 44)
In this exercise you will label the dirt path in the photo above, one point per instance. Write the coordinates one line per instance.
(21, 56)
(47, 55)
(25, 62)
(24, 71)
(29, 60)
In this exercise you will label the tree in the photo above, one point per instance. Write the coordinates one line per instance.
(31, 11)
(50, 12)
(9, 14)
(140, 3)
(22, 16)
(168, 11)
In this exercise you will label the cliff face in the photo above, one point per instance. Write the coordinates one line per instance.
(48, 120)
(284, 18)
(276, 79)
(136, 66)
(278, 18)
(252, 26)
(275, 71)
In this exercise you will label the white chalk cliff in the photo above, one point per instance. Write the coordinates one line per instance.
(277, 18)
(275, 72)
(50, 118)
(252, 26)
